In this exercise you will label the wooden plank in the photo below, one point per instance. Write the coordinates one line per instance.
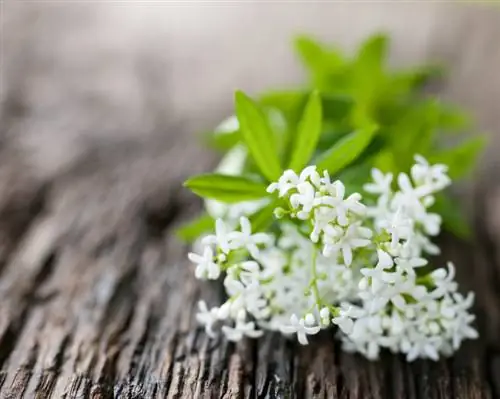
(104, 306)
(121, 324)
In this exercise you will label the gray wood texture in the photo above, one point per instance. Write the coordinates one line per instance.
(97, 298)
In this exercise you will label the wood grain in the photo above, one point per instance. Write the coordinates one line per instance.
(97, 298)
(89, 313)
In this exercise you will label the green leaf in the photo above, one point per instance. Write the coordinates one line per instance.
(226, 188)
(258, 136)
(289, 101)
(192, 230)
(460, 159)
(308, 133)
(264, 217)
(346, 150)
(223, 141)
(414, 132)
(368, 67)
(372, 54)
(336, 107)
(453, 218)
(316, 56)
(453, 119)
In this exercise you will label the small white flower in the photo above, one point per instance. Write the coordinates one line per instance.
(340, 206)
(250, 272)
(301, 328)
(286, 182)
(242, 328)
(325, 316)
(304, 197)
(344, 319)
(224, 311)
(381, 183)
(245, 238)
(408, 265)
(221, 237)
(399, 226)
(432, 177)
(205, 265)
(310, 173)
(444, 281)
(355, 236)
(207, 317)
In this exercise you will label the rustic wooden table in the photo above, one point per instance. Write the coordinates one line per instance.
(107, 310)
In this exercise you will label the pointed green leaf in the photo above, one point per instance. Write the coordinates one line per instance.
(316, 56)
(372, 54)
(346, 150)
(367, 73)
(258, 136)
(308, 133)
(460, 159)
(192, 230)
(226, 188)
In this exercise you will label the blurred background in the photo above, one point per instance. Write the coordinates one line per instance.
(118, 90)
(102, 107)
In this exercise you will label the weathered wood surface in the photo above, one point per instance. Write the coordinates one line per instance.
(106, 309)
(96, 296)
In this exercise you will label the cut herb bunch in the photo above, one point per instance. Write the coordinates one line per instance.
(310, 251)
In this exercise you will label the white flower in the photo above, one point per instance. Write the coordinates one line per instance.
(310, 173)
(381, 183)
(384, 260)
(294, 284)
(444, 281)
(355, 236)
(344, 319)
(205, 265)
(399, 226)
(460, 327)
(207, 317)
(379, 277)
(408, 265)
(433, 177)
(304, 197)
(221, 237)
(241, 329)
(301, 328)
(245, 238)
(286, 182)
(426, 348)
(325, 316)
(250, 272)
(322, 223)
(340, 206)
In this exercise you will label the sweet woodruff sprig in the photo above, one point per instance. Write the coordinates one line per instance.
(304, 240)
(335, 261)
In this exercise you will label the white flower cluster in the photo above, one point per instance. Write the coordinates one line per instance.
(333, 261)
